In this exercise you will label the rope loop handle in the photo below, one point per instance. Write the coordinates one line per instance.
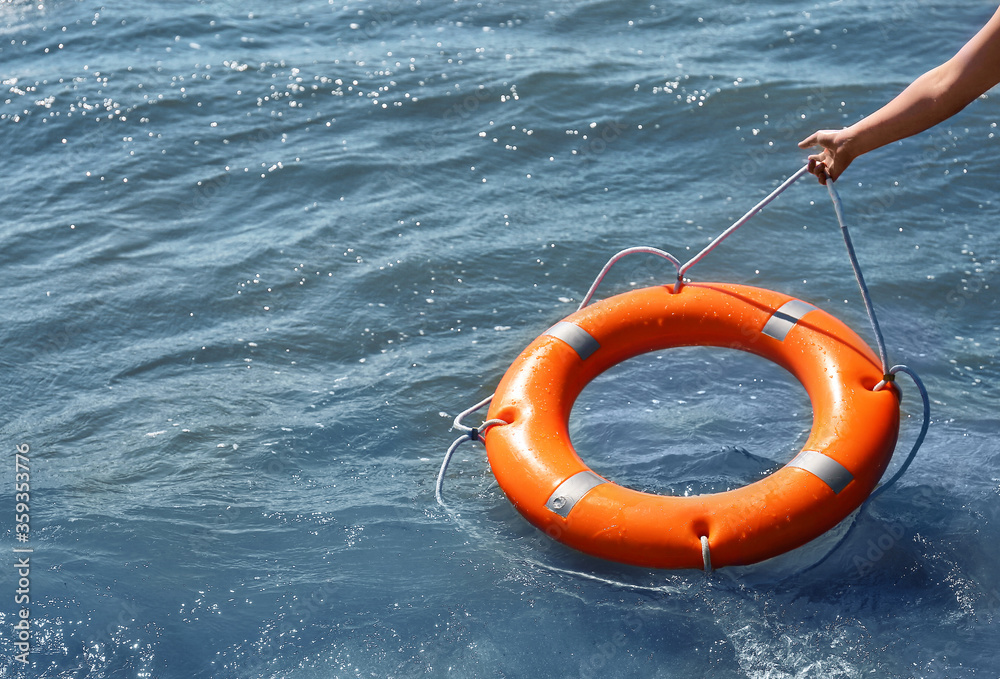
(683, 268)
(621, 255)
(470, 434)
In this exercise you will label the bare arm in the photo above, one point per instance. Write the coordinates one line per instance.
(933, 97)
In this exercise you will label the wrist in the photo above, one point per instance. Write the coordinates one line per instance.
(865, 135)
(847, 145)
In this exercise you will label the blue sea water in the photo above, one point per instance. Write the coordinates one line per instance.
(257, 256)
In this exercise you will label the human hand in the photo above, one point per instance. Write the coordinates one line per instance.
(831, 162)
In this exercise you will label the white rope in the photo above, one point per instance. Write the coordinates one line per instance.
(471, 434)
(888, 373)
(682, 269)
(706, 554)
(457, 424)
(888, 376)
(838, 208)
(439, 486)
(621, 255)
(740, 222)
(925, 399)
(477, 433)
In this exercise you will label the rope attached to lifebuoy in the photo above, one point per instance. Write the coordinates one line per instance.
(782, 320)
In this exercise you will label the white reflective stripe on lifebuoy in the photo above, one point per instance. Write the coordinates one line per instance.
(583, 342)
(570, 491)
(785, 318)
(829, 471)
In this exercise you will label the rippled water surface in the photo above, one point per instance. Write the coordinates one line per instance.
(257, 256)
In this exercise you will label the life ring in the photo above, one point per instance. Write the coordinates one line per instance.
(853, 433)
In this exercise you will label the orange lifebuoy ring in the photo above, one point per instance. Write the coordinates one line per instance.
(849, 446)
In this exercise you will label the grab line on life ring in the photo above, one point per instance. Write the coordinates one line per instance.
(782, 320)
(851, 441)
